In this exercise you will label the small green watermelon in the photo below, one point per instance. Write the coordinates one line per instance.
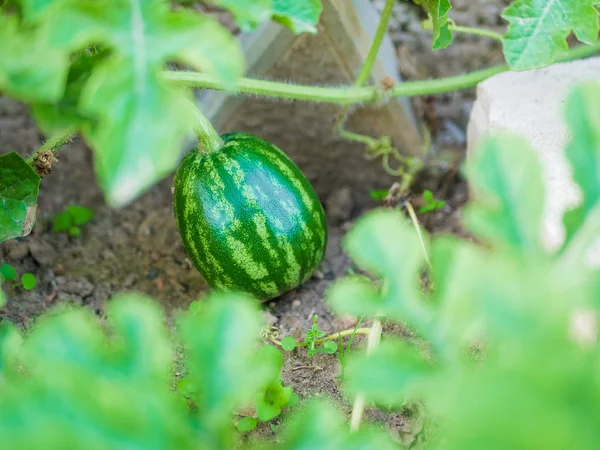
(249, 219)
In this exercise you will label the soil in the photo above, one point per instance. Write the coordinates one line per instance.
(137, 248)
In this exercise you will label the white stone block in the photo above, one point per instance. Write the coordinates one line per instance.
(531, 104)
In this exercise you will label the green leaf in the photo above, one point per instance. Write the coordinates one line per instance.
(378, 194)
(248, 13)
(19, 187)
(187, 387)
(28, 281)
(273, 395)
(583, 152)
(266, 410)
(319, 425)
(74, 231)
(31, 69)
(300, 16)
(2, 298)
(428, 196)
(80, 214)
(509, 197)
(432, 206)
(390, 375)
(354, 295)
(62, 222)
(293, 400)
(34, 10)
(67, 356)
(223, 357)
(330, 347)
(53, 118)
(383, 244)
(438, 11)
(288, 343)
(246, 424)
(8, 272)
(538, 30)
(10, 345)
(497, 294)
(141, 120)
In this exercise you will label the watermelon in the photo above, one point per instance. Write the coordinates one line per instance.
(249, 219)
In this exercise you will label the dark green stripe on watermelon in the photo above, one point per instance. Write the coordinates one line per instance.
(248, 217)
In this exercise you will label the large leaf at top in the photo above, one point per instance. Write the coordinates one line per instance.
(583, 152)
(248, 13)
(141, 120)
(438, 11)
(506, 177)
(19, 188)
(300, 16)
(383, 244)
(30, 69)
(55, 117)
(538, 29)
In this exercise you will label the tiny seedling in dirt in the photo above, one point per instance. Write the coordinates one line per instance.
(431, 204)
(71, 219)
(9, 273)
(313, 338)
(379, 194)
(313, 335)
(28, 281)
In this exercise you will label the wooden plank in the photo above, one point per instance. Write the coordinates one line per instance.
(305, 130)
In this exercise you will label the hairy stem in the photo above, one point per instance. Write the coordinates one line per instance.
(367, 66)
(361, 80)
(54, 143)
(475, 31)
(355, 137)
(354, 95)
(359, 402)
(348, 332)
(338, 335)
(208, 139)
(338, 95)
(428, 25)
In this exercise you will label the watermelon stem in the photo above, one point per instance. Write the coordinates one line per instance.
(54, 144)
(209, 140)
(349, 95)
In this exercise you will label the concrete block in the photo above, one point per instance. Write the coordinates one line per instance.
(531, 104)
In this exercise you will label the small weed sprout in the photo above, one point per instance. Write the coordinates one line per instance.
(71, 220)
(431, 204)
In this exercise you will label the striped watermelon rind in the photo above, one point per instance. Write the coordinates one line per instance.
(248, 217)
